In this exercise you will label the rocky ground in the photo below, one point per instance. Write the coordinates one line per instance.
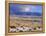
(19, 24)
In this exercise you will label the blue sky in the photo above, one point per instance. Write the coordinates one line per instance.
(21, 9)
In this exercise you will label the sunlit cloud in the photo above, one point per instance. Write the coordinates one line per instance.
(25, 9)
(30, 8)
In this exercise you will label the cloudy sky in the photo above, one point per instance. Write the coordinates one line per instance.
(21, 8)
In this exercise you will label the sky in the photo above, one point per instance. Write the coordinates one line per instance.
(25, 9)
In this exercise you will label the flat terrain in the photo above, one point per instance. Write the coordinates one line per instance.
(24, 21)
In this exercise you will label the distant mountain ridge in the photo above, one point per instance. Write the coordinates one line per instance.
(27, 13)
